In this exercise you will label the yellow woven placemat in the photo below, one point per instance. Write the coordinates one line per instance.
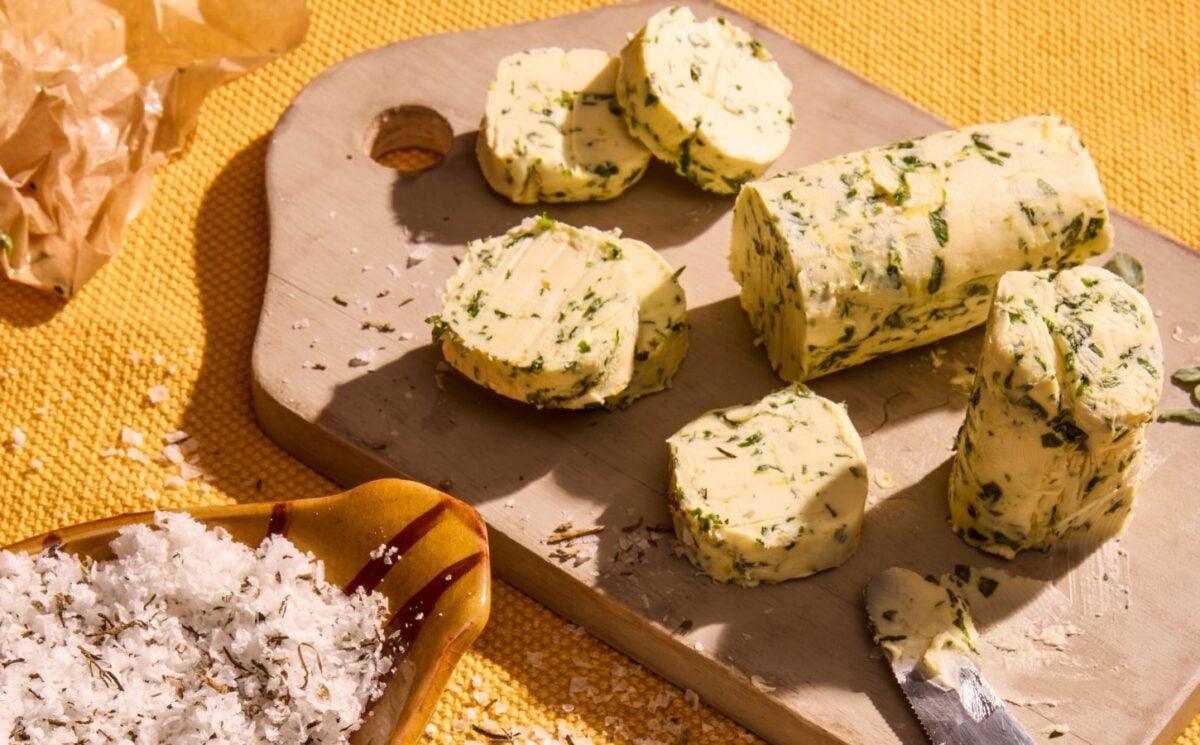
(179, 306)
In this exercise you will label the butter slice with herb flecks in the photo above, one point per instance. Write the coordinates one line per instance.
(705, 97)
(551, 130)
(662, 339)
(769, 491)
(1069, 377)
(895, 247)
(546, 314)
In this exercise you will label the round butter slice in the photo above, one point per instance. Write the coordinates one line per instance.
(1068, 380)
(706, 98)
(769, 491)
(546, 314)
(662, 327)
(551, 131)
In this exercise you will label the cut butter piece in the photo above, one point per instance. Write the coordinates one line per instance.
(888, 249)
(706, 98)
(551, 131)
(923, 624)
(1068, 380)
(768, 491)
(545, 314)
(564, 317)
(662, 338)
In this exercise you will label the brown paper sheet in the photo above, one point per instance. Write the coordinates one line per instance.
(93, 96)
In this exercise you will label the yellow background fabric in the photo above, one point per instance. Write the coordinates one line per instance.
(178, 306)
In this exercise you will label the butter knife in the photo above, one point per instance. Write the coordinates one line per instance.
(953, 701)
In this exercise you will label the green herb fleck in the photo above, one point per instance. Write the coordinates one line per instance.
(1187, 375)
(1051, 440)
(937, 221)
(534, 366)
(1180, 416)
(1129, 269)
(987, 586)
(751, 440)
(935, 274)
(990, 491)
(474, 303)
(889, 615)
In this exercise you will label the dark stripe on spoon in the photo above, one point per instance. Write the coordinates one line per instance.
(376, 569)
(278, 525)
(402, 630)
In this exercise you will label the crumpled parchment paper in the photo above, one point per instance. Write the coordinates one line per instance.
(93, 96)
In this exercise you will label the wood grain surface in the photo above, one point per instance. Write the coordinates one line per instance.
(793, 662)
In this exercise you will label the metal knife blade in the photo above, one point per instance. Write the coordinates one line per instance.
(968, 713)
(971, 714)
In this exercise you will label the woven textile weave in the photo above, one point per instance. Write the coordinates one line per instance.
(178, 306)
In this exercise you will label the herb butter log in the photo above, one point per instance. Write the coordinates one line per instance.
(563, 317)
(1069, 376)
(891, 248)
(768, 491)
(551, 130)
(706, 98)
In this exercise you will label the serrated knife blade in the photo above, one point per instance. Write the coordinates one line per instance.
(970, 714)
(967, 712)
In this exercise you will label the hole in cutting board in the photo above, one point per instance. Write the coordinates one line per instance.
(410, 138)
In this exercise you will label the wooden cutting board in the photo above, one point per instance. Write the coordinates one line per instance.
(793, 662)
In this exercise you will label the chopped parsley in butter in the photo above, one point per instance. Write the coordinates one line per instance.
(705, 97)
(1069, 377)
(895, 247)
(552, 132)
(768, 491)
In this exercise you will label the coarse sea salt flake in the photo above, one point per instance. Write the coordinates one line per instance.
(131, 437)
(137, 456)
(157, 394)
(17, 439)
(362, 358)
(418, 254)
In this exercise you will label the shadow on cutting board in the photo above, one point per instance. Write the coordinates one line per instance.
(610, 469)
(451, 204)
